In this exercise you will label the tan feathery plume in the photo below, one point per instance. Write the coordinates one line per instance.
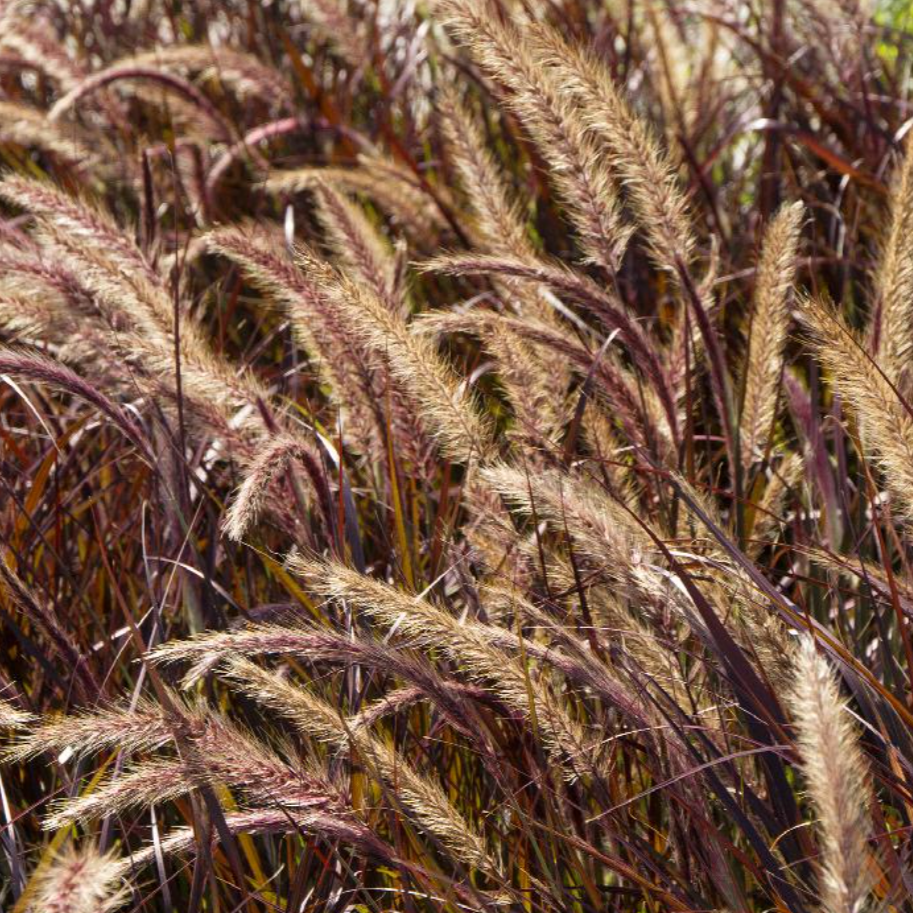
(141, 728)
(213, 751)
(577, 287)
(335, 825)
(884, 421)
(424, 799)
(33, 272)
(480, 649)
(11, 717)
(491, 533)
(358, 246)
(648, 417)
(499, 221)
(639, 643)
(129, 297)
(338, 353)
(394, 189)
(345, 355)
(36, 318)
(401, 180)
(475, 646)
(445, 405)
(207, 651)
(633, 153)
(241, 74)
(319, 645)
(79, 880)
(42, 318)
(269, 465)
(769, 327)
(134, 299)
(124, 315)
(554, 123)
(603, 532)
(335, 349)
(603, 442)
(29, 127)
(395, 701)
(79, 219)
(33, 39)
(535, 393)
(143, 784)
(894, 280)
(140, 785)
(768, 513)
(499, 228)
(837, 779)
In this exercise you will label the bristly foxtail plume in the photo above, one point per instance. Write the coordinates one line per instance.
(893, 329)
(769, 326)
(837, 779)
(80, 220)
(345, 357)
(633, 153)
(885, 421)
(498, 220)
(268, 466)
(133, 298)
(499, 226)
(30, 127)
(79, 881)
(337, 352)
(236, 72)
(535, 392)
(358, 245)
(547, 112)
(140, 727)
(210, 651)
(565, 281)
(443, 403)
(215, 751)
(499, 229)
(11, 717)
(602, 530)
(648, 178)
(390, 185)
(480, 648)
(425, 800)
(33, 39)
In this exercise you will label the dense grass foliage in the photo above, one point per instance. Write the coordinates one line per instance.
(456, 456)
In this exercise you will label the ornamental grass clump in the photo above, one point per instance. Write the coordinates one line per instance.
(456, 456)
